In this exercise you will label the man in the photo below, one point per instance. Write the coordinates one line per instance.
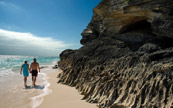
(34, 70)
(25, 68)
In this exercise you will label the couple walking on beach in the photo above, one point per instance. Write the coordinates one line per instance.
(33, 69)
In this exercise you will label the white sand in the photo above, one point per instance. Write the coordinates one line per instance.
(63, 96)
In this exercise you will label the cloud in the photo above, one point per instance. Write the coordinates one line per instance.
(28, 44)
(9, 5)
(1, 2)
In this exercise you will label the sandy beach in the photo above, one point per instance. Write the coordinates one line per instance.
(63, 96)
(15, 95)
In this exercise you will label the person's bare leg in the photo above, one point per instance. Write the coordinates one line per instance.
(34, 79)
(25, 80)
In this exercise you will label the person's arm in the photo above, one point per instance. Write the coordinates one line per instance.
(38, 67)
(28, 68)
(21, 69)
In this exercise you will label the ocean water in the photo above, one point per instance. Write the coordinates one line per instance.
(11, 81)
(12, 64)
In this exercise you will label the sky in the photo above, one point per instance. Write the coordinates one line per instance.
(43, 27)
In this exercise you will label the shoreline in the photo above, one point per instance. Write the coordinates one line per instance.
(37, 100)
(62, 96)
(12, 88)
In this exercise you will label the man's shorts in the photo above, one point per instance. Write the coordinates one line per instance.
(34, 72)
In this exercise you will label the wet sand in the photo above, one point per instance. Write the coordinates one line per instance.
(17, 96)
(13, 94)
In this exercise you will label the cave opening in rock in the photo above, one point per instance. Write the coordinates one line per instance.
(142, 26)
(163, 42)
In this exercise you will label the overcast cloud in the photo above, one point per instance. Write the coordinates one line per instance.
(28, 44)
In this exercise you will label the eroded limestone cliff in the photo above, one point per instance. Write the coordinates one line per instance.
(127, 55)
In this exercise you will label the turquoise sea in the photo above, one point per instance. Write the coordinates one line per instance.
(11, 64)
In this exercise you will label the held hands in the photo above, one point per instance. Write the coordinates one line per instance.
(29, 70)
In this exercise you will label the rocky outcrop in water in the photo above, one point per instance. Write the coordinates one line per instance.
(127, 55)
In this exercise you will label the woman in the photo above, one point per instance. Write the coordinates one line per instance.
(26, 70)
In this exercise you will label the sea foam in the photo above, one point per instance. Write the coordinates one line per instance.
(37, 100)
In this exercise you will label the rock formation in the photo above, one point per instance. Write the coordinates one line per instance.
(127, 55)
